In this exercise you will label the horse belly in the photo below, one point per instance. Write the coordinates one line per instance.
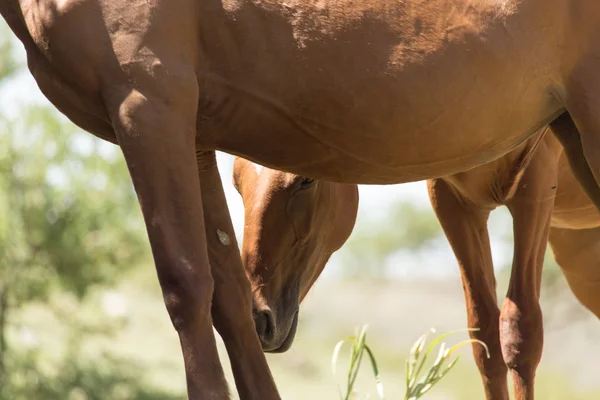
(402, 153)
(398, 129)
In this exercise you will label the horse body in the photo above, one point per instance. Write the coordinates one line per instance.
(372, 83)
(368, 96)
(339, 90)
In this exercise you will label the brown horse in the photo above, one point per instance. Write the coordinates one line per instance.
(379, 91)
(534, 182)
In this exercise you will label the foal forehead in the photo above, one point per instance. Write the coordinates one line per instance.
(273, 176)
(270, 180)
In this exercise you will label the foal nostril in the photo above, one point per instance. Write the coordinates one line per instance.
(265, 325)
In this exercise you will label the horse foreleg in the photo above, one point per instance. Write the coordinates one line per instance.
(521, 323)
(232, 302)
(577, 253)
(465, 227)
(156, 131)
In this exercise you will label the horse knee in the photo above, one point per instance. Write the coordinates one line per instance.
(521, 337)
(188, 298)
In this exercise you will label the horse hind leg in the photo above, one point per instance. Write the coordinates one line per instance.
(465, 227)
(521, 326)
(580, 160)
(578, 130)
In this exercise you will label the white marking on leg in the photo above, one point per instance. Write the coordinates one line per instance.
(223, 238)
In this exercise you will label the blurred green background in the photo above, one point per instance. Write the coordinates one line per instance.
(81, 314)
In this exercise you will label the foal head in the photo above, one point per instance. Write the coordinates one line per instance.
(292, 226)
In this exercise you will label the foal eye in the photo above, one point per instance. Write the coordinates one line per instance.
(305, 183)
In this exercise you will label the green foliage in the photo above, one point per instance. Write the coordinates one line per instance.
(67, 213)
(75, 376)
(8, 65)
(358, 346)
(416, 386)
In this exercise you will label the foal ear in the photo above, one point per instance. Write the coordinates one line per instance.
(243, 170)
